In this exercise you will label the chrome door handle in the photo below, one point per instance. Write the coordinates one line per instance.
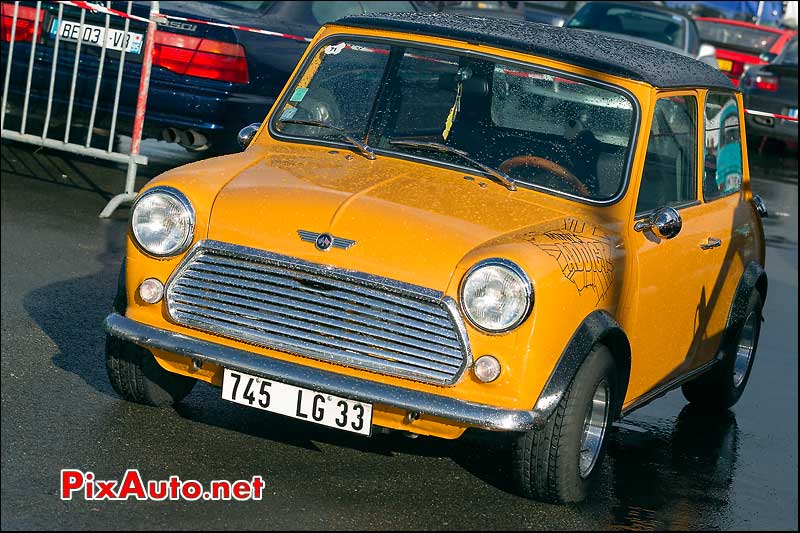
(712, 243)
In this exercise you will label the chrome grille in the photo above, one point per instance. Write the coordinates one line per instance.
(330, 314)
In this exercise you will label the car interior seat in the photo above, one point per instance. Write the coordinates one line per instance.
(610, 168)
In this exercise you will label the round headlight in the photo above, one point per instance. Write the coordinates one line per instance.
(496, 295)
(162, 221)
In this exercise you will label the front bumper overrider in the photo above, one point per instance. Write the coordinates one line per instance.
(461, 411)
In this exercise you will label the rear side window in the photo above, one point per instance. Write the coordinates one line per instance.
(722, 162)
(669, 177)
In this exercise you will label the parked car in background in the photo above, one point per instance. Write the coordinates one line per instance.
(448, 223)
(740, 43)
(646, 23)
(206, 81)
(768, 12)
(476, 8)
(555, 13)
(772, 88)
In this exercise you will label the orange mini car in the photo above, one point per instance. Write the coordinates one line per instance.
(448, 223)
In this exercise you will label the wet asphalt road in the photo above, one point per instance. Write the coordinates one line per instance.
(668, 466)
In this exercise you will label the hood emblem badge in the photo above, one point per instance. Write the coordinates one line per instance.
(325, 241)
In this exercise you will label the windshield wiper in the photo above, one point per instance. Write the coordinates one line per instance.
(499, 175)
(362, 147)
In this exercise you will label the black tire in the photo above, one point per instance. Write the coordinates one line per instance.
(134, 372)
(546, 462)
(721, 387)
(137, 377)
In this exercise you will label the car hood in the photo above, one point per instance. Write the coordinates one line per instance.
(410, 221)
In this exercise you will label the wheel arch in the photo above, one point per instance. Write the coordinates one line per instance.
(599, 327)
(754, 278)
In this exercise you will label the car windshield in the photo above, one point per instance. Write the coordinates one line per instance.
(543, 129)
(664, 28)
(736, 37)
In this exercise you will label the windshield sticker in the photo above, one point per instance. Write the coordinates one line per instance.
(299, 94)
(333, 49)
(288, 113)
(583, 251)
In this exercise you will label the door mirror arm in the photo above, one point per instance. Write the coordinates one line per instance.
(664, 222)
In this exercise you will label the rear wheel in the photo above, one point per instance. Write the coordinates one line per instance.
(559, 462)
(722, 387)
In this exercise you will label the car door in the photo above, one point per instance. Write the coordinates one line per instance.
(727, 216)
(669, 292)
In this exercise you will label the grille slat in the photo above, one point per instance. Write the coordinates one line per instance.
(327, 280)
(302, 293)
(271, 279)
(330, 314)
(302, 301)
(331, 353)
(286, 309)
(290, 327)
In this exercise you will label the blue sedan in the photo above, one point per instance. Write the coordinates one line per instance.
(207, 81)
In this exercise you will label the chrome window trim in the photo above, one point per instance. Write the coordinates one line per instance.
(632, 145)
(516, 269)
(178, 195)
(447, 304)
(676, 207)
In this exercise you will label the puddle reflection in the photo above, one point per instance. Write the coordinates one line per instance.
(676, 473)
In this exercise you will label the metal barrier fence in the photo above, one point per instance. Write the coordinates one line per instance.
(43, 44)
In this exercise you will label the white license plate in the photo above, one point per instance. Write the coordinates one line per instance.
(96, 35)
(303, 404)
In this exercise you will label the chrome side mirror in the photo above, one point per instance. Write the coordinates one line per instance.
(246, 134)
(664, 222)
(761, 207)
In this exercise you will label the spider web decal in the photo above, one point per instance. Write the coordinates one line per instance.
(583, 252)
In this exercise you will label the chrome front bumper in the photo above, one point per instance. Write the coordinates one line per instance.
(473, 414)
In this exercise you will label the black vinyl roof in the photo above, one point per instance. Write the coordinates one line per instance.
(658, 67)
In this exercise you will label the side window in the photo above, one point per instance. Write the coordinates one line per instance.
(722, 163)
(669, 177)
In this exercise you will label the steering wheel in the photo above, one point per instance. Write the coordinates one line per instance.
(545, 164)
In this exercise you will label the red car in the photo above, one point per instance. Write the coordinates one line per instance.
(741, 43)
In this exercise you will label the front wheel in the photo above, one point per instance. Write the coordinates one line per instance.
(721, 387)
(137, 377)
(558, 463)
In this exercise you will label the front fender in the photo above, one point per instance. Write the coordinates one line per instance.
(597, 328)
(576, 267)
